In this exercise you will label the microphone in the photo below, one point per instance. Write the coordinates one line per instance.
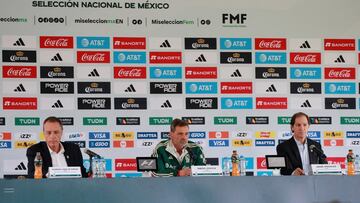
(318, 151)
(91, 153)
(192, 156)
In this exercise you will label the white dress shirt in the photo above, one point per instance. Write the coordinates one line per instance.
(304, 154)
(58, 159)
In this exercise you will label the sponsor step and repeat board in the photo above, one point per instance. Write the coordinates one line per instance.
(118, 72)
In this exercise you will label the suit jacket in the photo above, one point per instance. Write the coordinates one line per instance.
(291, 152)
(72, 155)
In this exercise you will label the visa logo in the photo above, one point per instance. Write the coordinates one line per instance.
(197, 135)
(99, 144)
(264, 143)
(235, 43)
(201, 87)
(339, 88)
(5, 144)
(166, 72)
(270, 58)
(129, 57)
(99, 135)
(147, 135)
(305, 73)
(218, 143)
(353, 134)
(93, 42)
(314, 134)
(236, 103)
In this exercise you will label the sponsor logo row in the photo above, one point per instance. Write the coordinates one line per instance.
(278, 88)
(176, 57)
(175, 103)
(171, 43)
(176, 72)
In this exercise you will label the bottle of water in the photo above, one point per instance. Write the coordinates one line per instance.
(242, 166)
(357, 165)
(95, 167)
(102, 168)
(38, 162)
(227, 164)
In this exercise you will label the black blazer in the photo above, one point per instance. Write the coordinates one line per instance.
(72, 155)
(291, 152)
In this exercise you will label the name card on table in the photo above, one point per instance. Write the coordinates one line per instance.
(326, 169)
(65, 172)
(206, 171)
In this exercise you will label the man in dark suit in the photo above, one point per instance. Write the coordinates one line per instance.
(53, 151)
(299, 150)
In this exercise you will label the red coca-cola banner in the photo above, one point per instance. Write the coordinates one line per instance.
(93, 57)
(305, 58)
(62, 42)
(19, 72)
(270, 43)
(130, 72)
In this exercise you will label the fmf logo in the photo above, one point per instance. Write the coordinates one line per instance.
(237, 20)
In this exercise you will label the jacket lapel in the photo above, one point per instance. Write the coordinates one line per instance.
(295, 150)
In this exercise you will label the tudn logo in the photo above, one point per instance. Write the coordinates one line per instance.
(306, 104)
(305, 45)
(94, 73)
(57, 105)
(236, 73)
(165, 44)
(20, 167)
(57, 57)
(20, 88)
(340, 59)
(271, 88)
(201, 58)
(19, 42)
(131, 88)
(166, 104)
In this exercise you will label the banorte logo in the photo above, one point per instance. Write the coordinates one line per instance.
(340, 73)
(270, 43)
(165, 57)
(125, 165)
(130, 72)
(305, 58)
(19, 72)
(93, 57)
(339, 44)
(19, 103)
(62, 42)
(261, 163)
(337, 160)
(129, 43)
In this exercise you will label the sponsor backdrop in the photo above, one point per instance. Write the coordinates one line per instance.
(117, 73)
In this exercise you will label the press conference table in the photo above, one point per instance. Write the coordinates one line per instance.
(306, 189)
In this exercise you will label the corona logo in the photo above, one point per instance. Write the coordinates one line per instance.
(19, 53)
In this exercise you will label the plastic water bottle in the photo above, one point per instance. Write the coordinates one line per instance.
(357, 164)
(38, 162)
(350, 163)
(227, 165)
(242, 166)
(95, 167)
(102, 168)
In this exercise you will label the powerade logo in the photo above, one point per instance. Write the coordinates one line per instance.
(99, 144)
(93, 42)
(305, 73)
(165, 87)
(99, 135)
(352, 134)
(197, 135)
(201, 87)
(165, 72)
(235, 43)
(314, 134)
(128, 57)
(340, 88)
(147, 135)
(236, 103)
(218, 143)
(264, 143)
(201, 103)
(270, 58)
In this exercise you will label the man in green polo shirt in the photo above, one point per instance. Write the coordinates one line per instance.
(176, 155)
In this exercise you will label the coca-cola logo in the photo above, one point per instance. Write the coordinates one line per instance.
(93, 57)
(19, 71)
(339, 73)
(305, 58)
(130, 72)
(270, 44)
(56, 42)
